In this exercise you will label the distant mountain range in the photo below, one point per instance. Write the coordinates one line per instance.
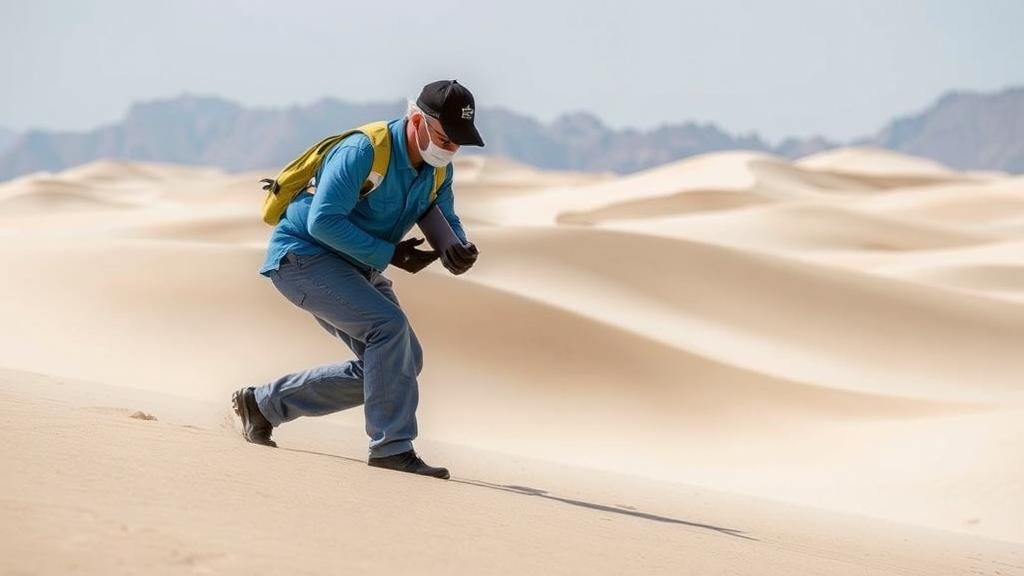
(962, 130)
(7, 138)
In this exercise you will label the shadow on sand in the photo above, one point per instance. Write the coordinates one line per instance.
(534, 492)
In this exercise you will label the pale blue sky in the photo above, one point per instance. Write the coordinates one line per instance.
(838, 68)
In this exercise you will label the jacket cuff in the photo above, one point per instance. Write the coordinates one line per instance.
(381, 256)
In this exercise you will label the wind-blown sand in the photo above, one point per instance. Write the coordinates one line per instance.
(728, 364)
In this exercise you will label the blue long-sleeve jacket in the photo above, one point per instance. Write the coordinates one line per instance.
(364, 232)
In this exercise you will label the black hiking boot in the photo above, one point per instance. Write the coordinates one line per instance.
(255, 427)
(409, 462)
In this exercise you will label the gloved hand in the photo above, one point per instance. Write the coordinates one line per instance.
(460, 257)
(410, 259)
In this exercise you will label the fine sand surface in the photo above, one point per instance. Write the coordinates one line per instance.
(728, 364)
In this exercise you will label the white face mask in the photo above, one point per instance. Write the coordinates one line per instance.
(434, 154)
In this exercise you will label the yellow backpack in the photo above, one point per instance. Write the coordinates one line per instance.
(297, 176)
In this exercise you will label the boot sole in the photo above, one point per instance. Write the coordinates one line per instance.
(238, 403)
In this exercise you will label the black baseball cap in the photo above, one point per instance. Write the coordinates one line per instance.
(453, 106)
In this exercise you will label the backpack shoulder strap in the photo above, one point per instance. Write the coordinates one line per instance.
(380, 139)
(439, 175)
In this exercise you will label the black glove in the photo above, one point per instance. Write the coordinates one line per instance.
(460, 257)
(408, 258)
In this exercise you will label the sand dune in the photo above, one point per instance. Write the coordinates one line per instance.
(986, 205)
(883, 168)
(119, 172)
(727, 179)
(231, 226)
(183, 494)
(119, 286)
(46, 194)
(811, 228)
(490, 176)
(728, 172)
(70, 199)
(855, 331)
(993, 280)
(841, 332)
(485, 181)
(679, 203)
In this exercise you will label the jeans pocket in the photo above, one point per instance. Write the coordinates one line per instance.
(287, 287)
(304, 260)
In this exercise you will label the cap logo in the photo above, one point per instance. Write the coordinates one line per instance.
(467, 113)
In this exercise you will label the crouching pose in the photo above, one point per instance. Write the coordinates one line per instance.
(327, 254)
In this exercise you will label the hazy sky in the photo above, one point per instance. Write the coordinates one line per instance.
(839, 68)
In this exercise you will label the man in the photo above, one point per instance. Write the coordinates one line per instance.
(327, 256)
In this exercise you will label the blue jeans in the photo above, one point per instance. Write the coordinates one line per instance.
(362, 310)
